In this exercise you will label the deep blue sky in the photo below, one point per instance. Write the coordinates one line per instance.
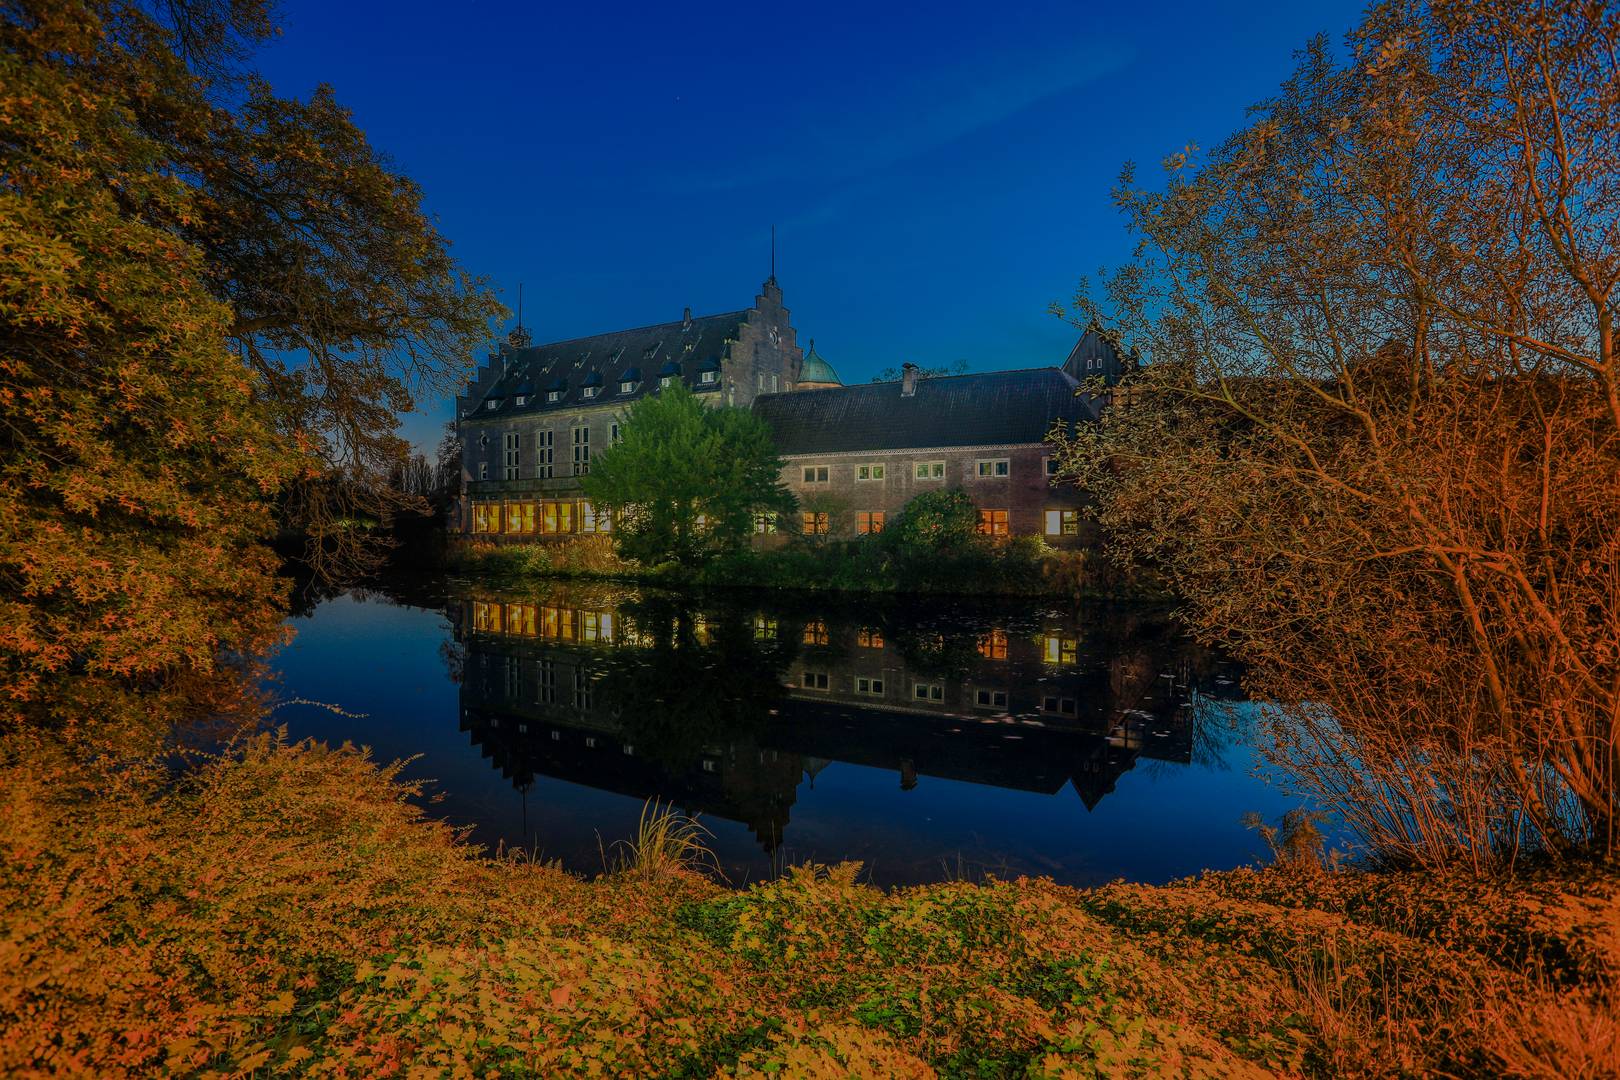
(937, 175)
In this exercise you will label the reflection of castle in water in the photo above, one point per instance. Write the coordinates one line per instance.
(727, 710)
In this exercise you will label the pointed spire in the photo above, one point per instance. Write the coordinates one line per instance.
(773, 255)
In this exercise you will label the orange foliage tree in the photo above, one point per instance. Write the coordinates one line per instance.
(1379, 450)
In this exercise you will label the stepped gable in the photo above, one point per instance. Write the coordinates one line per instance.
(994, 408)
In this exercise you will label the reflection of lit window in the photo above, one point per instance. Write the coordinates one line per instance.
(1061, 650)
(924, 691)
(1061, 706)
(556, 736)
(710, 765)
(865, 685)
(520, 619)
(991, 699)
(815, 633)
(595, 626)
(590, 742)
(814, 680)
(764, 628)
(993, 646)
(869, 639)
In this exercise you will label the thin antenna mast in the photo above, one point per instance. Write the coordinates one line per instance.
(773, 252)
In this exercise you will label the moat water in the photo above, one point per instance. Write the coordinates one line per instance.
(927, 738)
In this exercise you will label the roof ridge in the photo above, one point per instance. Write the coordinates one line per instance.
(631, 330)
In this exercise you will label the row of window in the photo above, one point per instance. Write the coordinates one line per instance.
(588, 393)
(933, 693)
(991, 522)
(983, 469)
(545, 455)
(538, 517)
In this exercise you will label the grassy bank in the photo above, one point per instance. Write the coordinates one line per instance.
(287, 910)
(1025, 566)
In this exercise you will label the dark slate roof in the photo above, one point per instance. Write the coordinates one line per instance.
(995, 408)
(606, 360)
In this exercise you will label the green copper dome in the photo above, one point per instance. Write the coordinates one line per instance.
(816, 370)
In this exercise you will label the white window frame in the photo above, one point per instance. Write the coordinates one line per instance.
(928, 691)
(588, 392)
(925, 471)
(1054, 522)
(544, 455)
(553, 396)
(628, 386)
(998, 468)
(869, 685)
(522, 399)
(512, 457)
(817, 474)
(708, 378)
(870, 472)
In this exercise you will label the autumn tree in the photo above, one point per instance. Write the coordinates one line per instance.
(138, 472)
(215, 301)
(686, 480)
(1378, 449)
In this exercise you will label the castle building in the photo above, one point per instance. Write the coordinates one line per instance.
(854, 455)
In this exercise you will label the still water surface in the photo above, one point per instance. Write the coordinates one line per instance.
(928, 738)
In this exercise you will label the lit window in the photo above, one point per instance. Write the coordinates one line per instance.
(930, 470)
(708, 377)
(815, 474)
(1061, 650)
(816, 524)
(764, 628)
(991, 468)
(993, 522)
(1062, 522)
(869, 522)
(815, 632)
(869, 639)
(869, 472)
(924, 691)
(993, 646)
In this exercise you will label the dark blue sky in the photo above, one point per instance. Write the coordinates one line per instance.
(938, 175)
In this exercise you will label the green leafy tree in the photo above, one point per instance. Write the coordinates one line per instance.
(686, 480)
(936, 524)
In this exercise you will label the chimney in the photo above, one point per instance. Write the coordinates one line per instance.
(686, 318)
(908, 379)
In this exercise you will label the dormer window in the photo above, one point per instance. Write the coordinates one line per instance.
(588, 392)
(553, 395)
(665, 381)
(522, 399)
(627, 387)
(708, 377)
(491, 403)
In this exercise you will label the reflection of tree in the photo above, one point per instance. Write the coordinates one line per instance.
(699, 678)
(454, 655)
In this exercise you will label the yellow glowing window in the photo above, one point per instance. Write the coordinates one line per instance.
(1061, 650)
(815, 633)
(520, 619)
(993, 522)
(764, 628)
(816, 524)
(869, 521)
(869, 639)
(993, 646)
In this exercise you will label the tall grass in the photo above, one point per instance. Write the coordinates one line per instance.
(668, 841)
